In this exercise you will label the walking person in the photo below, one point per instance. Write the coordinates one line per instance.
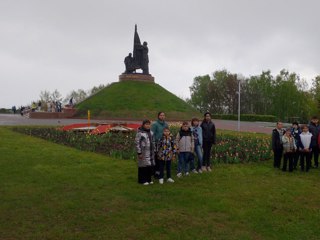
(277, 148)
(289, 148)
(197, 134)
(305, 148)
(166, 150)
(209, 139)
(145, 147)
(157, 129)
(314, 129)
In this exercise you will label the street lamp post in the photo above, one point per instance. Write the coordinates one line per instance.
(239, 93)
(240, 78)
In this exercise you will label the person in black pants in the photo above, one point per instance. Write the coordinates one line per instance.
(277, 148)
(289, 148)
(305, 148)
(295, 132)
(314, 129)
(209, 138)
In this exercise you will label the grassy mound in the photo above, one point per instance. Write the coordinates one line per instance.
(135, 100)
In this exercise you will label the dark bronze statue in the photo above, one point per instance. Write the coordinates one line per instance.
(140, 59)
(128, 61)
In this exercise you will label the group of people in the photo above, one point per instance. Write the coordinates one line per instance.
(156, 148)
(296, 145)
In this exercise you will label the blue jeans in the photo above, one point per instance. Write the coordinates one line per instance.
(198, 151)
(183, 161)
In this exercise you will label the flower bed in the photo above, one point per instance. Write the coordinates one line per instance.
(231, 147)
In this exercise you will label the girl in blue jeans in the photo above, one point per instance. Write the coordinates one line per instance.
(197, 134)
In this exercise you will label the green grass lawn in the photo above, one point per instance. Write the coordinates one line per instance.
(49, 191)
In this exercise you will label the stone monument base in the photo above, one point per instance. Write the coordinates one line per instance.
(136, 77)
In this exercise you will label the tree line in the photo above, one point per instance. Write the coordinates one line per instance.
(77, 95)
(285, 95)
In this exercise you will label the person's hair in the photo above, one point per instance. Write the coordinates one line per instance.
(295, 123)
(206, 114)
(194, 120)
(278, 122)
(146, 121)
(314, 117)
(185, 123)
(166, 128)
(160, 113)
(304, 126)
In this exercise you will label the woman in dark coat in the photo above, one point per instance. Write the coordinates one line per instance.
(209, 138)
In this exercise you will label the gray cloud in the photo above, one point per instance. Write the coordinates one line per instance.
(66, 45)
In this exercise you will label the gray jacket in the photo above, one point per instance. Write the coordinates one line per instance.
(146, 147)
(185, 142)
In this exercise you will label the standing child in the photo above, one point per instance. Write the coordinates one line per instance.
(145, 147)
(197, 134)
(166, 150)
(289, 147)
(305, 148)
(295, 132)
(185, 144)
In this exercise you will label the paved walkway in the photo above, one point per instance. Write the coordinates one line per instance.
(17, 120)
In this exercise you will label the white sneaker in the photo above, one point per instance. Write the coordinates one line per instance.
(146, 183)
(194, 171)
(170, 180)
(209, 169)
(200, 171)
(187, 173)
(204, 169)
(151, 182)
(161, 180)
(179, 174)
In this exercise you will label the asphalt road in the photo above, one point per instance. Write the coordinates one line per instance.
(17, 120)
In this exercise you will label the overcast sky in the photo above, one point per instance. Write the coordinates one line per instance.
(77, 44)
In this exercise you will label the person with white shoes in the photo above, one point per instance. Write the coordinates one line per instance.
(145, 147)
(197, 134)
(185, 144)
(209, 139)
(166, 152)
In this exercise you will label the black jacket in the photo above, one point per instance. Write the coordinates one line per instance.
(276, 141)
(208, 131)
(314, 130)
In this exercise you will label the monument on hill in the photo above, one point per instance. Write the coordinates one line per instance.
(139, 60)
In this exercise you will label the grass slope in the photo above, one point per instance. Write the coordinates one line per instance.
(49, 191)
(135, 100)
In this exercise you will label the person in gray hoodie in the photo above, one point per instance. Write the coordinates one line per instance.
(185, 148)
(145, 147)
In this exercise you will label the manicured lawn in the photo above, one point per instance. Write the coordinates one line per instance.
(49, 191)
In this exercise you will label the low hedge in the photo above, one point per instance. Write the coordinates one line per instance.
(246, 117)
